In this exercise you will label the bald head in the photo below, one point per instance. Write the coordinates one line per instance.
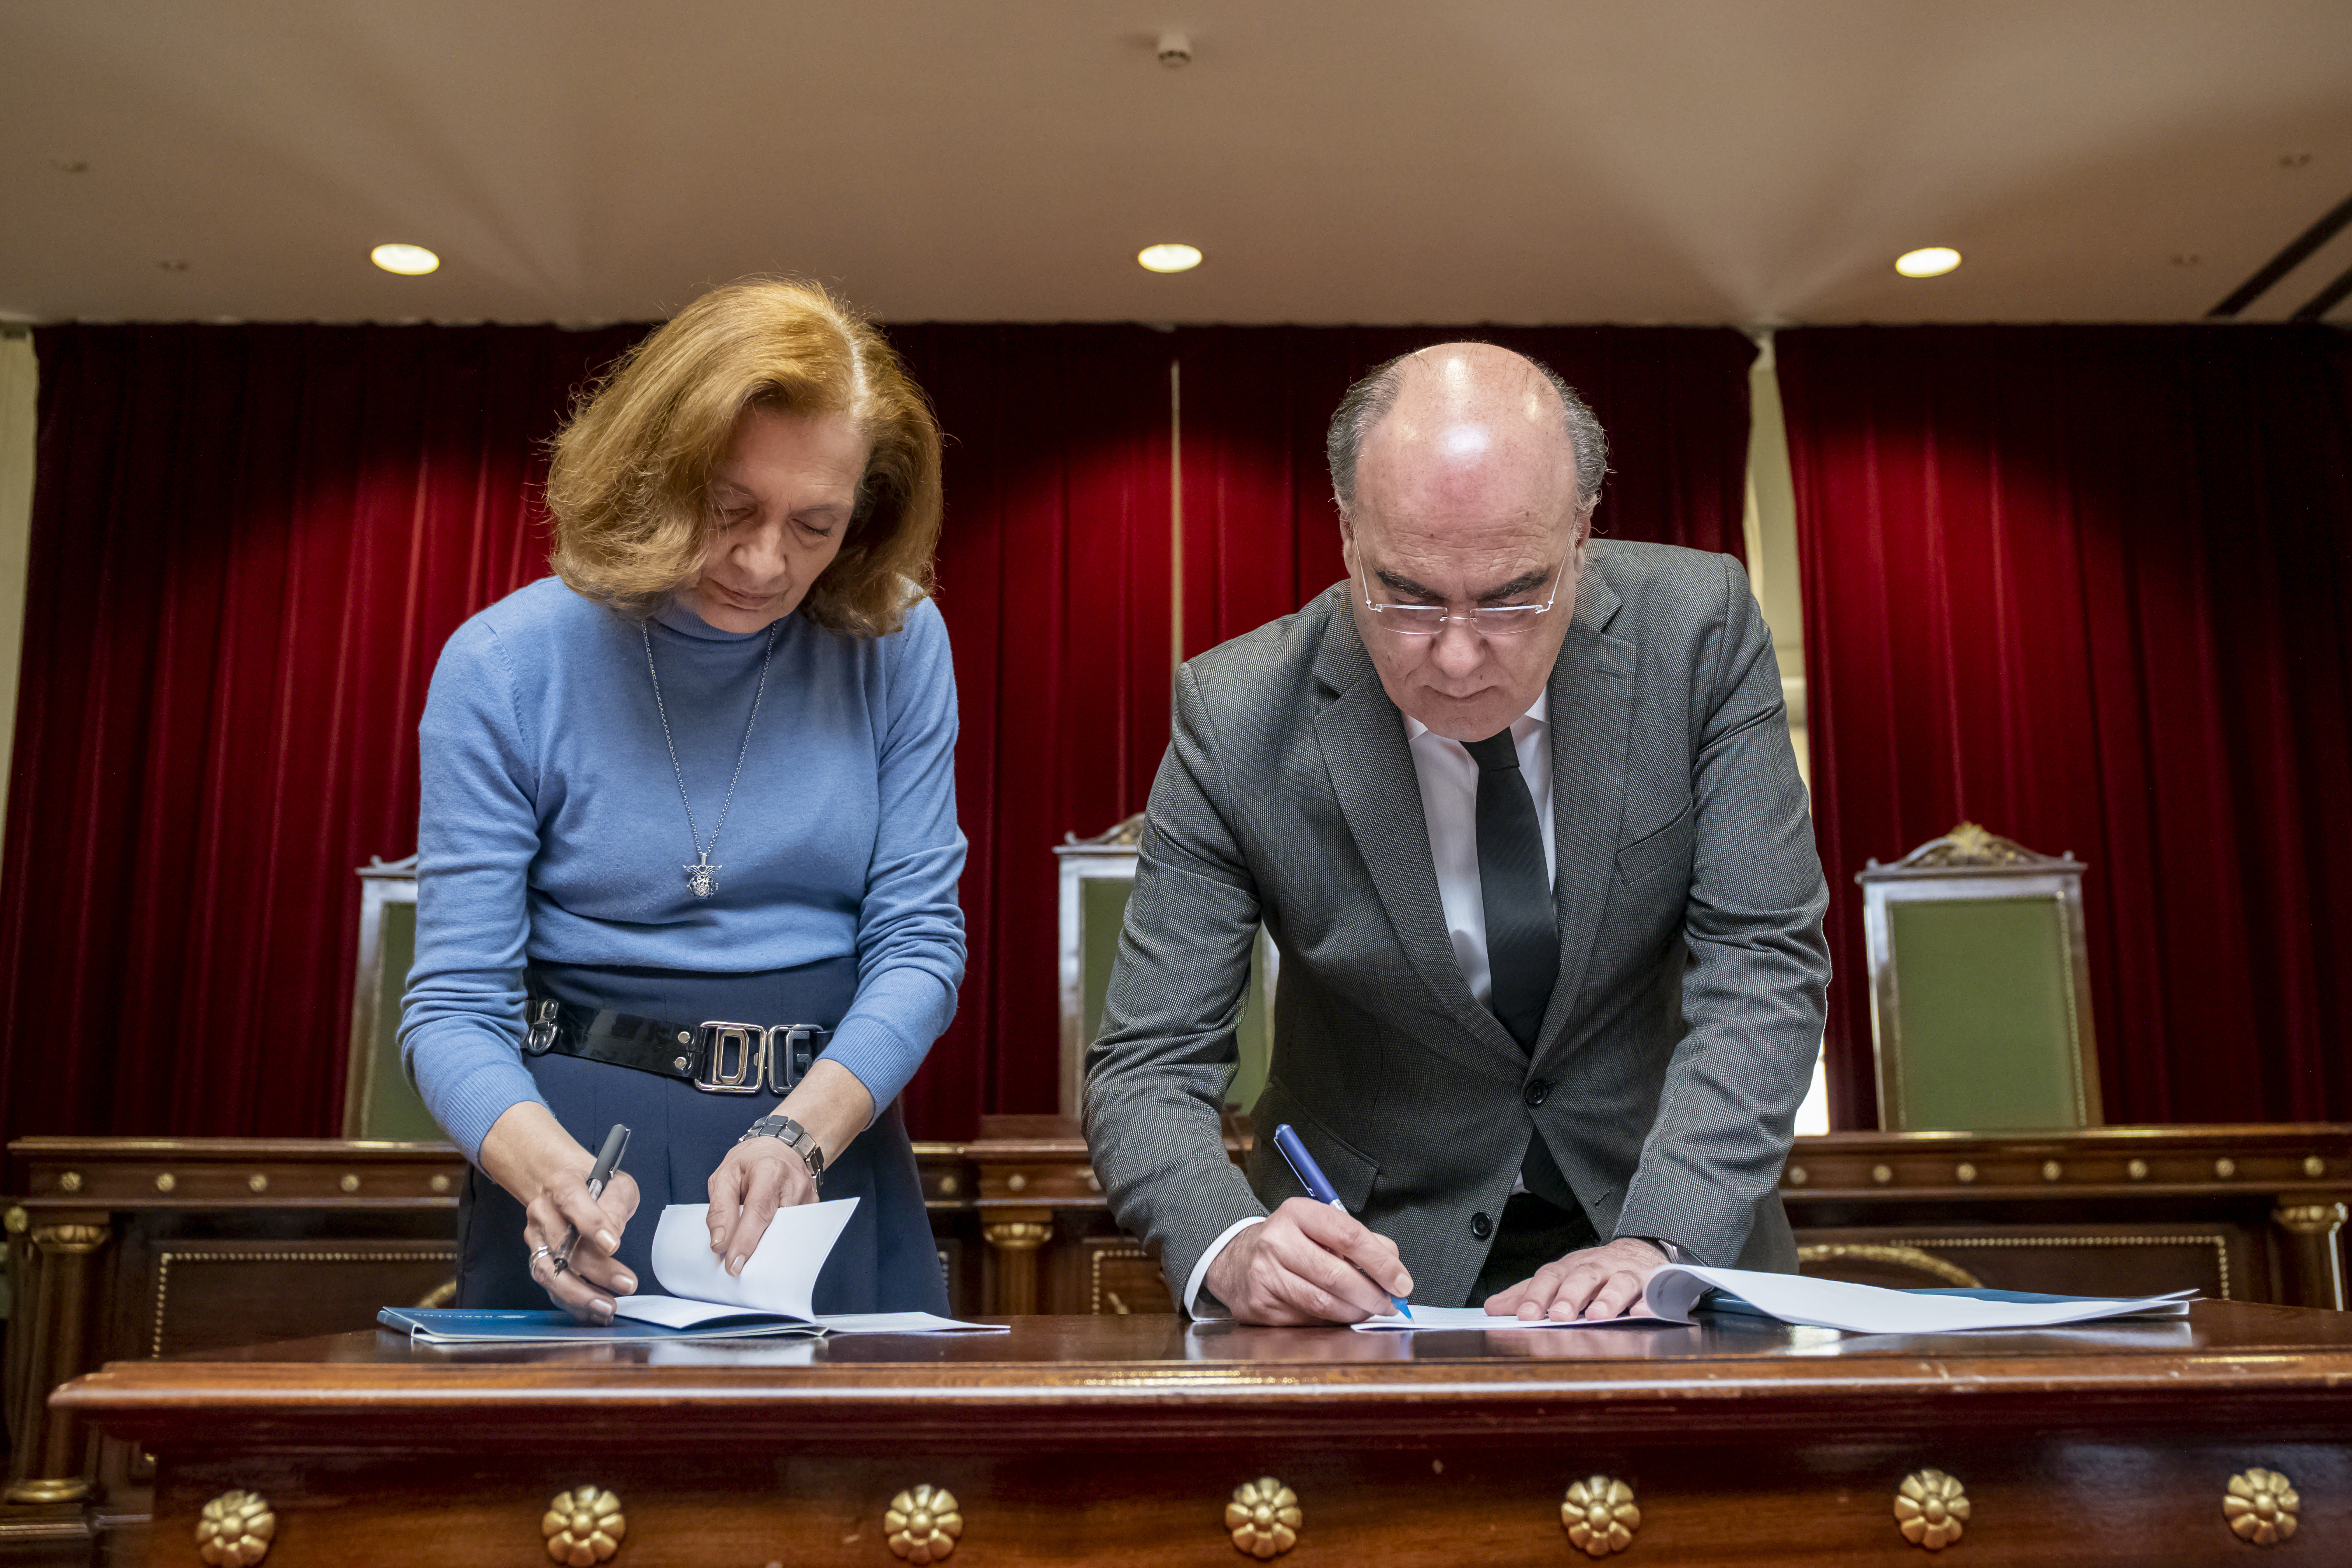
(1461, 487)
(1463, 402)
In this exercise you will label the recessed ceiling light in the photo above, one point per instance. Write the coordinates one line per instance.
(408, 260)
(1170, 258)
(1932, 262)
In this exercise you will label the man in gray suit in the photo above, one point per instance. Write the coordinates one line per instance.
(1520, 810)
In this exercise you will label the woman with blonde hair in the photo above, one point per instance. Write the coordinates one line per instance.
(687, 848)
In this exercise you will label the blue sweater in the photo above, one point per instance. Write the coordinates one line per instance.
(551, 830)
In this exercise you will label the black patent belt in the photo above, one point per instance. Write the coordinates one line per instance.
(715, 1056)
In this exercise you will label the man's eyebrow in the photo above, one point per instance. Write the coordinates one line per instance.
(1397, 583)
(1524, 582)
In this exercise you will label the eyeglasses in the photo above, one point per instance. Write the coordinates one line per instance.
(1484, 620)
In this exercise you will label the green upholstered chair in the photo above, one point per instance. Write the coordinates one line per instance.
(1980, 989)
(1097, 875)
(379, 1102)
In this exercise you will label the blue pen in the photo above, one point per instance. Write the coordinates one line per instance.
(1317, 1185)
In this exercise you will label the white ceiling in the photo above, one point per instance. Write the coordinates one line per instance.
(1380, 161)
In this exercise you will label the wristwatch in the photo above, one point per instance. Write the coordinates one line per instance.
(795, 1137)
(1667, 1249)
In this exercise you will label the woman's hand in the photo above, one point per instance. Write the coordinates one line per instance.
(758, 1176)
(529, 1154)
(761, 1176)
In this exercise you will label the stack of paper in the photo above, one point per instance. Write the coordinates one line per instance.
(1674, 1290)
(771, 1296)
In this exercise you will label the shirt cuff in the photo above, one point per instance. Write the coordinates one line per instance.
(1201, 1269)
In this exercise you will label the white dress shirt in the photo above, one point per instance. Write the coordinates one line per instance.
(1449, 807)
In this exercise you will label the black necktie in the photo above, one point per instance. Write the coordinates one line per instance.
(1522, 937)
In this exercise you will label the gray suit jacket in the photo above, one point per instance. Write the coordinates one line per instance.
(1680, 1038)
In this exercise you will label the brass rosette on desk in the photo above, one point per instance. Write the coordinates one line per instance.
(1599, 1515)
(922, 1523)
(584, 1526)
(2261, 1507)
(1931, 1509)
(1264, 1518)
(234, 1530)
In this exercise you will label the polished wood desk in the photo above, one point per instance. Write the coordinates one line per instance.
(124, 1248)
(1125, 1441)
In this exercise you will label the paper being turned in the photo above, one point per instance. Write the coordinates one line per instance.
(780, 1277)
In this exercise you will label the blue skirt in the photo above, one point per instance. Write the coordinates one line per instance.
(885, 1260)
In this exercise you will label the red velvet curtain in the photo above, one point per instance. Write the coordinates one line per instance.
(250, 543)
(2092, 586)
(1054, 582)
(248, 546)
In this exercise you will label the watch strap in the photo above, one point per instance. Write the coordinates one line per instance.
(793, 1136)
(1667, 1249)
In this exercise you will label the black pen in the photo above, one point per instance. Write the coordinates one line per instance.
(607, 1162)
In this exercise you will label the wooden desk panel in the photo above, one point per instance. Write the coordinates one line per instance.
(132, 1246)
(1121, 1440)
(106, 1259)
(2250, 1213)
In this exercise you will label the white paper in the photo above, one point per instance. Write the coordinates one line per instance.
(780, 1277)
(1675, 1290)
(1871, 1310)
(1477, 1318)
(670, 1312)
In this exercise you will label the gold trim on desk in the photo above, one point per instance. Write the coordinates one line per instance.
(165, 1258)
(1902, 1254)
(2219, 1244)
(1095, 1259)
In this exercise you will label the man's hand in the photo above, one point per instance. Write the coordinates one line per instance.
(1597, 1282)
(1308, 1263)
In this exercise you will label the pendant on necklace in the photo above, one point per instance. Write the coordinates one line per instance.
(703, 877)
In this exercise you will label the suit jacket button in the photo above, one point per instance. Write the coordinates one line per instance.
(1538, 1091)
(1481, 1227)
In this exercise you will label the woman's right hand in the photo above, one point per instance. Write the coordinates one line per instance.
(542, 1167)
(586, 1285)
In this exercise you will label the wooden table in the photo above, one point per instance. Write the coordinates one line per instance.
(130, 1248)
(1094, 1439)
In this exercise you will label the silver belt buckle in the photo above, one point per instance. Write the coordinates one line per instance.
(541, 1016)
(784, 1062)
(717, 1075)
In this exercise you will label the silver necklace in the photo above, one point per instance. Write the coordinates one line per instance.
(702, 877)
